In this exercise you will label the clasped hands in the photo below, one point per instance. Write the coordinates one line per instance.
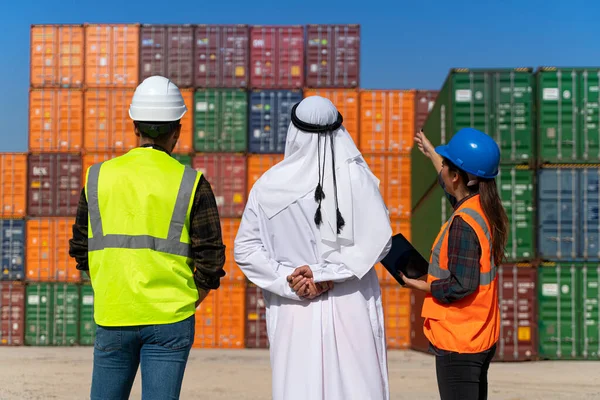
(302, 282)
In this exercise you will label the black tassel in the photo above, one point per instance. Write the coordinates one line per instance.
(340, 221)
(319, 193)
(318, 217)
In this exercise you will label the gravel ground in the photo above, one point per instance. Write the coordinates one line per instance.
(64, 373)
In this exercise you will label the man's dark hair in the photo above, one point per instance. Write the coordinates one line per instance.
(157, 130)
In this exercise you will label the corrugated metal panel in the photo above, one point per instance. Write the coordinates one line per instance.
(185, 144)
(221, 120)
(221, 56)
(333, 56)
(396, 309)
(12, 249)
(276, 57)
(57, 54)
(38, 314)
(517, 296)
(13, 185)
(424, 102)
(394, 175)
(12, 313)
(66, 314)
(167, 50)
(87, 325)
(256, 318)
(270, 116)
(346, 101)
(590, 306)
(258, 164)
(54, 184)
(229, 229)
(568, 114)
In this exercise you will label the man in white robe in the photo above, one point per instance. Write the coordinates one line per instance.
(310, 222)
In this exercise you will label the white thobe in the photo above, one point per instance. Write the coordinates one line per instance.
(329, 348)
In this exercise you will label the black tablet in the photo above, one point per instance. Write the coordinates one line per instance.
(404, 257)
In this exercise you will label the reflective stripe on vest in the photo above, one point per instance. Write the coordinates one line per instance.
(171, 245)
(485, 278)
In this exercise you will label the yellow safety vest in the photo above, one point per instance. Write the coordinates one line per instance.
(139, 245)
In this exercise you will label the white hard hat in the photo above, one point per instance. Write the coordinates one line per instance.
(157, 99)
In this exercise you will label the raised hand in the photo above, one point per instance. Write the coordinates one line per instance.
(424, 144)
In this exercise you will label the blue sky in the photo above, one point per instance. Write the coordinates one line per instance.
(405, 44)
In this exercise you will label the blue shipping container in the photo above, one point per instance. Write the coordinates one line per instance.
(12, 240)
(569, 204)
(270, 115)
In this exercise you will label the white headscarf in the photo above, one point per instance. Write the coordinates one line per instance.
(298, 174)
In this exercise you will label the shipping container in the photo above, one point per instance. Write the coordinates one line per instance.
(226, 173)
(221, 56)
(256, 318)
(394, 176)
(333, 56)
(47, 251)
(55, 120)
(54, 184)
(167, 50)
(229, 229)
(57, 55)
(497, 102)
(87, 325)
(12, 313)
(112, 55)
(387, 121)
(424, 102)
(398, 226)
(568, 115)
(418, 341)
(516, 187)
(185, 144)
(184, 159)
(396, 310)
(517, 294)
(221, 120)
(258, 164)
(276, 57)
(270, 117)
(12, 249)
(39, 313)
(107, 126)
(346, 102)
(220, 318)
(66, 314)
(90, 159)
(13, 185)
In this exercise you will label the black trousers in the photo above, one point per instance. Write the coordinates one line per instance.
(463, 376)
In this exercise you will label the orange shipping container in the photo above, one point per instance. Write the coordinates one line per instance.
(47, 250)
(396, 311)
(395, 182)
(94, 158)
(185, 142)
(258, 164)
(55, 120)
(57, 55)
(111, 55)
(346, 101)
(13, 185)
(387, 121)
(229, 229)
(107, 126)
(220, 318)
(398, 226)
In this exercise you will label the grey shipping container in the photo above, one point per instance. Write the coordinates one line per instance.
(167, 50)
(497, 102)
(12, 249)
(270, 116)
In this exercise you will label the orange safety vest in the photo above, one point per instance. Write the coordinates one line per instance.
(471, 324)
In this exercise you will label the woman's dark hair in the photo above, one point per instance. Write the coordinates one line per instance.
(492, 208)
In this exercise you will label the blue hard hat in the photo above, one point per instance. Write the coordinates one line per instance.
(472, 151)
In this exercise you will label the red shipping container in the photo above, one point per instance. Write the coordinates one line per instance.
(276, 57)
(226, 173)
(333, 56)
(12, 313)
(167, 50)
(221, 56)
(424, 101)
(256, 318)
(54, 181)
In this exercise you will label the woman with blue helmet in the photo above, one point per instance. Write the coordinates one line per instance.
(462, 317)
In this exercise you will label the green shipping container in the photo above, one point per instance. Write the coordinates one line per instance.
(66, 314)
(568, 115)
(39, 311)
(220, 120)
(87, 326)
(183, 158)
(568, 311)
(516, 188)
(497, 102)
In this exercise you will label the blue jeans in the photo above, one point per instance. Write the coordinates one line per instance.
(162, 351)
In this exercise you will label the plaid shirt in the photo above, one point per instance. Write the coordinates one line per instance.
(205, 233)
(464, 252)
